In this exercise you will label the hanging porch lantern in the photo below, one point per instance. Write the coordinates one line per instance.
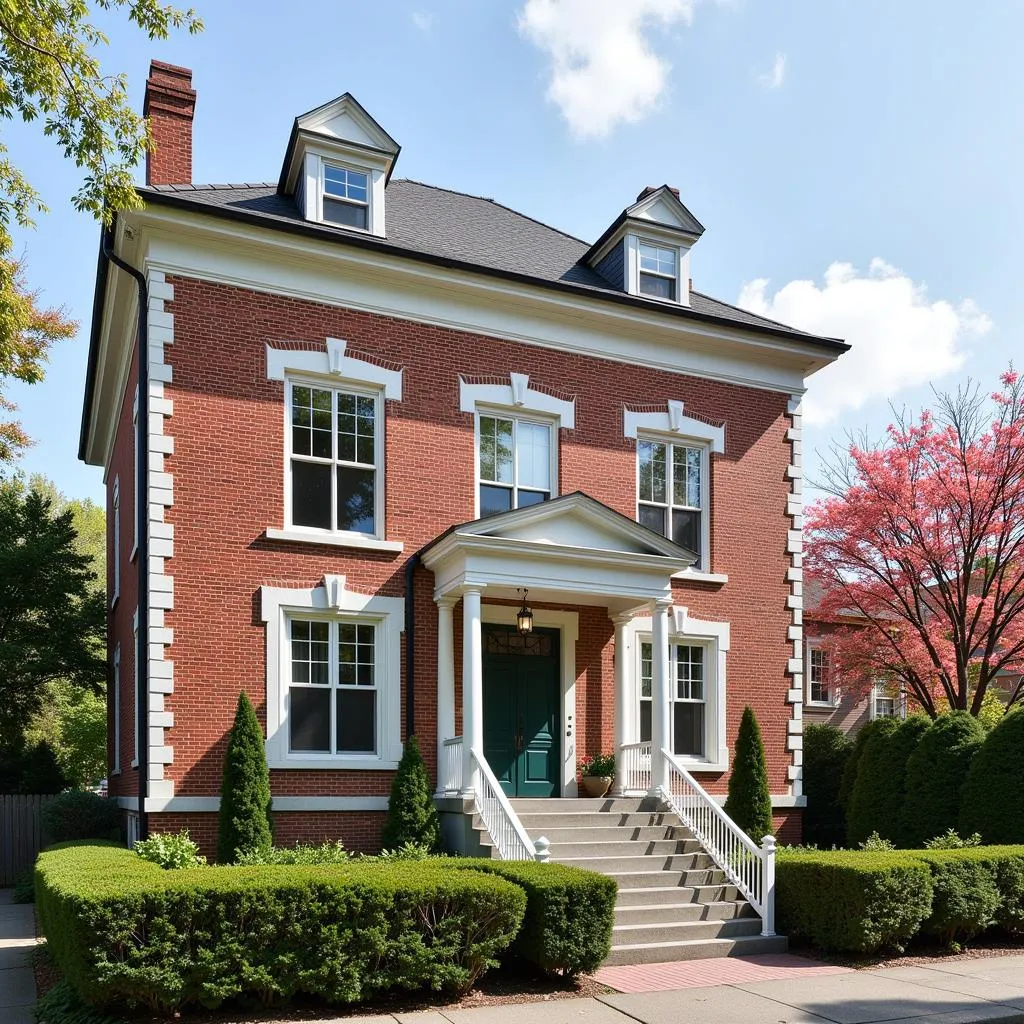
(524, 617)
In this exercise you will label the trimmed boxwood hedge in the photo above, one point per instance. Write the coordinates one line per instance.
(852, 900)
(964, 895)
(569, 913)
(127, 933)
(993, 795)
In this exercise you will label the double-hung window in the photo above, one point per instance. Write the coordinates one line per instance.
(516, 462)
(886, 703)
(687, 696)
(335, 439)
(658, 273)
(671, 491)
(346, 198)
(819, 685)
(332, 689)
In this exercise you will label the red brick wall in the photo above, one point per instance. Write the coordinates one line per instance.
(228, 487)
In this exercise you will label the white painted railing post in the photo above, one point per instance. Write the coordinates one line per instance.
(542, 850)
(768, 882)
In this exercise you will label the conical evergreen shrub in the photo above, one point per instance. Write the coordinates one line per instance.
(412, 816)
(880, 789)
(936, 773)
(849, 776)
(993, 796)
(245, 824)
(750, 803)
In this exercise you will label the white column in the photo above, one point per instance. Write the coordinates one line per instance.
(621, 699)
(472, 688)
(660, 682)
(445, 683)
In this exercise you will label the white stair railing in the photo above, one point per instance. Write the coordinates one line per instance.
(500, 819)
(634, 768)
(451, 765)
(751, 868)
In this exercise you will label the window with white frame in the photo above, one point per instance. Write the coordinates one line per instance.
(658, 271)
(115, 711)
(346, 196)
(116, 531)
(671, 491)
(332, 689)
(516, 463)
(886, 702)
(335, 459)
(687, 696)
(819, 683)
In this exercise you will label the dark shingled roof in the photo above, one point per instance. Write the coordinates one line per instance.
(435, 223)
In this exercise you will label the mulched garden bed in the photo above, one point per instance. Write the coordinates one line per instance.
(918, 956)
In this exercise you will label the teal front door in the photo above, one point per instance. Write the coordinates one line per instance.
(521, 710)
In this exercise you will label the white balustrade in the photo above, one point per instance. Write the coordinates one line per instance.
(633, 768)
(499, 817)
(751, 868)
(450, 780)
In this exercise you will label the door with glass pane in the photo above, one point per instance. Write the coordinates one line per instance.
(515, 463)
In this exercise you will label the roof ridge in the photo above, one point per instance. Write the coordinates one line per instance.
(494, 202)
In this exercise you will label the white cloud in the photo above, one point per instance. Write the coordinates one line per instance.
(423, 20)
(603, 70)
(900, 338)
(773, 79)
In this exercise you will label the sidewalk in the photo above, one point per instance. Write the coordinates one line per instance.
(17, 940)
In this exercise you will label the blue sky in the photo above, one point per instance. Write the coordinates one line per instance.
(856, 165)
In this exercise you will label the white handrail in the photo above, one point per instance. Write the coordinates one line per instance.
(450, 780)
(634, 767)
(751, 868)
(499, 817)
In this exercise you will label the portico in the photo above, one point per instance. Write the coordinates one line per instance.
(569, 552)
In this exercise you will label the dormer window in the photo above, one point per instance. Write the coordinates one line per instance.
(346, 196)
(658, 271)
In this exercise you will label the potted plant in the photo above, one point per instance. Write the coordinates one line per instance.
(596, 774)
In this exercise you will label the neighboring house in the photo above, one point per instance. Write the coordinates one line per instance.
(378, 411)
(825, 701)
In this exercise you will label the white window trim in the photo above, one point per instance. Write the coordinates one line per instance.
(135, 690)
(116, 709)
(507, 414)
(899, 703)
(321, 192)
(816, 645)
(332, 600)
(716, 637)
(115, 502)
(336, 370)
(632, 262)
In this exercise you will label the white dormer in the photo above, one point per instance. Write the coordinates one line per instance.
(338, 161)
(646, 251)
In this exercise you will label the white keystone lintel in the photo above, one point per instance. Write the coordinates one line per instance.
(517, 395)
(334, 362)
(672, 421)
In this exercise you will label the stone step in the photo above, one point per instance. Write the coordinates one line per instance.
(614, 834)
(656, 848)
(539, 821)
(695, 949)
(674, 913)
(637, 879)
(604, 805)
(691, 863)
(655, 890)
(684, 931)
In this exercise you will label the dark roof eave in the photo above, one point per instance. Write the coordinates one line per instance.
(102, 269)
(179, 200)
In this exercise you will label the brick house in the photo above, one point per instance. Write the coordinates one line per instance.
(378, 418)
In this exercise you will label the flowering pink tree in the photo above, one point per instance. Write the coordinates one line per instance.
(920, 541)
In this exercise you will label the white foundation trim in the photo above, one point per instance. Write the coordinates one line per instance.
(517, 395)
(334, 362)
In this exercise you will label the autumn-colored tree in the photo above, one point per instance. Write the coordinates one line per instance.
(49, 72)
(920, 539)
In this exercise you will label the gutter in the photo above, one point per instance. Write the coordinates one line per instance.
(107, 255)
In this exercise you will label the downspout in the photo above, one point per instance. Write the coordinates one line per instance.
(141, 531)
(410, 644)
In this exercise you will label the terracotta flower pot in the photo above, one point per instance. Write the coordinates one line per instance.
(596, 785)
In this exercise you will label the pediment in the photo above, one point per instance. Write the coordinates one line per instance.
(344, 119)
(666, 210)
(575, 521)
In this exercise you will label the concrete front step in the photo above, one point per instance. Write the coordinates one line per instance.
(540, 820)
(656, 848)
(695, 949)
(565, 805)
(684, 931)
(659, 879)
(613, 834)
(633, 895)
(688, 863)
(678, 913)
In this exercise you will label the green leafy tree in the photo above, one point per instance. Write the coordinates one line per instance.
(245, 823)
(936, 772)
(993, 795)
(52, 620)
(412, 816)
(826, 751)
(49, 72)
(749, 803)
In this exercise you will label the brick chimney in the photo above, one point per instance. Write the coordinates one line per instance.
(170, 105)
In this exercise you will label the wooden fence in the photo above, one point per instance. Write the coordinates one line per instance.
(20, 834)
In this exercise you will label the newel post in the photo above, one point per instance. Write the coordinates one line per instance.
(768, 885)
(542, 850)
